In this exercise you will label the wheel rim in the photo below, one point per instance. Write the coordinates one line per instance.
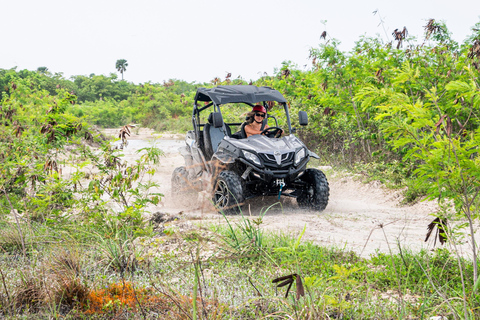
(308, 194)
(178, 183)
(221, 194)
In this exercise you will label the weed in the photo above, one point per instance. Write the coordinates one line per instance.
(116, 297)
(246, 235)
(119, 251)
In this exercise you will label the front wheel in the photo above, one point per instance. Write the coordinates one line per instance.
(228, 192)
(316, 191)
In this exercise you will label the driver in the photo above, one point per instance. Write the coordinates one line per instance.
(255, 123)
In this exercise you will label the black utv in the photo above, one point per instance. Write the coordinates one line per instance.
(235, 167)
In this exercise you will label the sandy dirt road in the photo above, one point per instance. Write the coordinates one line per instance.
(359, 217)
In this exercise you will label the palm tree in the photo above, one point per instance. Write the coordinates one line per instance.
(121, 66)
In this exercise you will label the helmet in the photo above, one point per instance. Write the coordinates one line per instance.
(259, 108)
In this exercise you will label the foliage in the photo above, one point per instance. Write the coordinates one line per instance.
(440, 133)
(99, 87)
(161, 107)
(34, 131)
(41, 79)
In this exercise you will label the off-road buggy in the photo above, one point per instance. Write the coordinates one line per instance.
(235, 168)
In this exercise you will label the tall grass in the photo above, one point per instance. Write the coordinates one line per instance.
(224, 271)
(245, 233)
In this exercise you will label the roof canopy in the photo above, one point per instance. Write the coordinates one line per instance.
(238, 93)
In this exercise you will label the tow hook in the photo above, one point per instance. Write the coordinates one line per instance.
(246, 173)
(281, 184)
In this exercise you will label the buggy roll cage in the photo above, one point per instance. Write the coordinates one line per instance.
(247, 94)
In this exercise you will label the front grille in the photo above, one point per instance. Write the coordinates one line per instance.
(270, 162)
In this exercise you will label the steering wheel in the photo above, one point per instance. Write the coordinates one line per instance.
(272, 132)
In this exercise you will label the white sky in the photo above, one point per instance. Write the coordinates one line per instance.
(199, 40)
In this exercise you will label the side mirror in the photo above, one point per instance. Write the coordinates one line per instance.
(302, 118)
(217, 119)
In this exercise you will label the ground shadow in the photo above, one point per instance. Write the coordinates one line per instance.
(272, 206)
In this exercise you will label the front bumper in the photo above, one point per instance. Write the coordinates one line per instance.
(268, 175)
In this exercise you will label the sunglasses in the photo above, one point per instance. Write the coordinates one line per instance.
(260, 115)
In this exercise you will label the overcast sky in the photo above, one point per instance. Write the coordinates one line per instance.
(199, 40)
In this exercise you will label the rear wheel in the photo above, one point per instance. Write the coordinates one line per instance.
(180, 185)
(179, 179)
(228, 192)
(315, 194)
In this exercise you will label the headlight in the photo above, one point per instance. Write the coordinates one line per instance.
(299, 156)
(251, 157)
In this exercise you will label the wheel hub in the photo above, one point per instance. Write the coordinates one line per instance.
(221, 194)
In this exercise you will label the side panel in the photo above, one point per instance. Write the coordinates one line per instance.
(195, 156)
(227, 152)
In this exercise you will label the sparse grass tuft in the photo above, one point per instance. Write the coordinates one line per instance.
(71, 292)
(30, 294)
(66, 260)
